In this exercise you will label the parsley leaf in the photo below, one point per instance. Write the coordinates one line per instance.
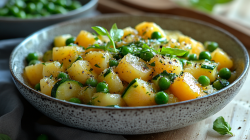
(97, 66)
(221, 126)
(114, 35)
(4, 137)
(173, 51)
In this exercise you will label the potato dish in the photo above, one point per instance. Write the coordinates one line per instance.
(139, 66)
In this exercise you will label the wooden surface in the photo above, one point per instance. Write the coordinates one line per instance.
(135, 7)
(236, 113)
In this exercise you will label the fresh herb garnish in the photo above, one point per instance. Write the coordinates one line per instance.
(97, 66)
(152, 64)
(114, 35)
(172, 51)
(61, 65)
(4, 137)
(221, 126)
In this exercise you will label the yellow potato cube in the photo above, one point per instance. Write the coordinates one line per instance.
(34, 73)
(131, 67)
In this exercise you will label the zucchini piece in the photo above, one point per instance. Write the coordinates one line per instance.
(139, 93)
(47, 56)
(66, 89)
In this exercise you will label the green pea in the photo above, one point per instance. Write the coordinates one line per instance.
(31, 7)
(204, 80)
(34, 62)
(14, 10)
(43, 1)
(91, 82)
(113, 63)
(147, 56)
(102, 87)
(61, 2)
(60, 10)
(21, 14)
(156, 35)
(75, 5)
(75, 100)
(161, 97)
(164, 83)
(32, 56)
(220, 83)
(20, 4)
(42, 137)
(211, 46)
(126, 50)
(70, 40)
(205, 55)
(38, 87)
(39, 6)
(192, 57)
(50, 7)
(63, 75)
(225, 73)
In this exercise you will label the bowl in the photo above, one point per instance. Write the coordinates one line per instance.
(14, 27)
(130, 120)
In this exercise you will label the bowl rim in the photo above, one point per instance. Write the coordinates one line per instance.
(84, 7)
(244, 73)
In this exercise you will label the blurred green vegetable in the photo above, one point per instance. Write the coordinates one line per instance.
(26, 9)
(207, 5)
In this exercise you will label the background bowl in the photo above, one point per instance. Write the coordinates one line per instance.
(130, 120)
(15, 27)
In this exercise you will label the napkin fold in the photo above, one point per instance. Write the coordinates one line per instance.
(21, 121)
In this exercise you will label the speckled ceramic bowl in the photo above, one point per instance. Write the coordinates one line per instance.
(15, 27)
(130, 120)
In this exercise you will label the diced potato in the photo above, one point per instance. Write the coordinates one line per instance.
(221, 57)
(173, 34)
(145, 29)
(129, 31)
(209, 89)
(197, 47)
(85, 39)
(52, 68)
(34, 73)
(131, 67)
(112, 79)
(139, 93)
(105, 99)
(46, 85)
(80, 71)
(171, 65)
(103, 38)
(98, 60)
(172, 99)
(66, 55)
(185, 87)
(60, 41)
(199, 68)
(86, 93)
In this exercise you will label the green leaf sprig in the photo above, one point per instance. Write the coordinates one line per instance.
(4, 137)
(221, 126)
(114, 35)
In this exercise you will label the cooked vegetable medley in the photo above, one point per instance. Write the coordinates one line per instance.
(139, 66)
(37, 8)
